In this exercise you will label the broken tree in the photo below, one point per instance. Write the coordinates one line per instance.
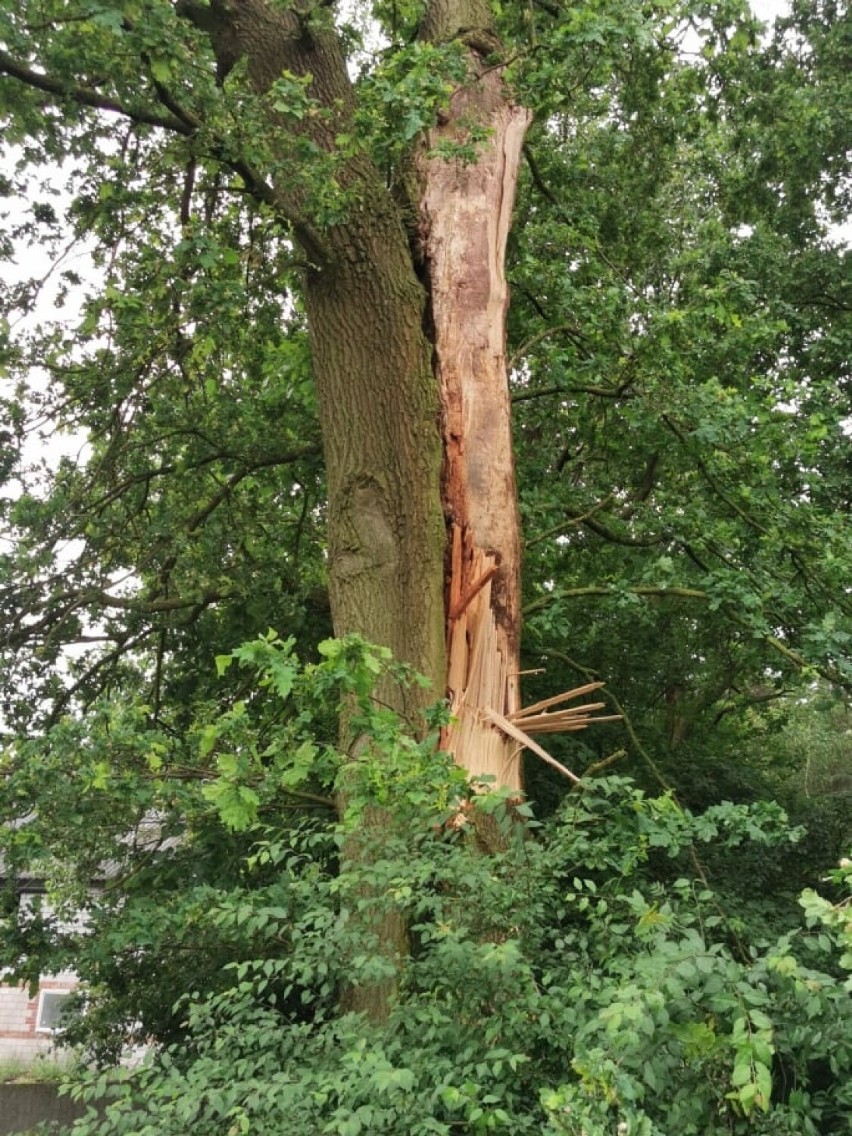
(404, 288)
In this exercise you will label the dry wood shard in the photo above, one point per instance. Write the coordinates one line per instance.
(577, 692)
(512, 730)
(465, 600)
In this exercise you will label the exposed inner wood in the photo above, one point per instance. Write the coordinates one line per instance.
(466, 211)
(482, 670)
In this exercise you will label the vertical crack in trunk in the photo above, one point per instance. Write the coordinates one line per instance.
(466, 209)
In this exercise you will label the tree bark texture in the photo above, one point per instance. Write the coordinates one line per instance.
(379, 415)
(422, 514)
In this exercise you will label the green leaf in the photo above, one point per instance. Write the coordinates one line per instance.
(161, 69)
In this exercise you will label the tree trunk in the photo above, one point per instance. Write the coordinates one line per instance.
(467, 211)
(422, 513)
(422, 516)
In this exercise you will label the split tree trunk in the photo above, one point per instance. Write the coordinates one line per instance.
(467, 211)
(422, 514)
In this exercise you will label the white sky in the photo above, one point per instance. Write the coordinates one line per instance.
(767, 10)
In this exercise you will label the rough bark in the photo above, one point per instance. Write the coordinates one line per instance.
(379, 415)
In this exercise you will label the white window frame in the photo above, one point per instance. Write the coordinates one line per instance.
(43, 997)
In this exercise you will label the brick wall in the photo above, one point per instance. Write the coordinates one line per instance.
(20, 1041)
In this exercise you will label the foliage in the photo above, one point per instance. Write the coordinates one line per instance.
(671, 418)
(554, 986)
(679, 333)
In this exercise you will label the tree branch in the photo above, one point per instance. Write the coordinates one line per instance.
(598, 392)
(199, 517)
(569, 329)
(646, 590)
(124, 644)
(645, 488)
(575, 520)
(179, 121)
(88, 96)
(151, 607)
(616, 538)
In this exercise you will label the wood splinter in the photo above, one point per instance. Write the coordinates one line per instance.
(536, 718)
(475, 588)
(509, 728)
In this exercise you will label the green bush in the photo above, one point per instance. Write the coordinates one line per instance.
(555, 983)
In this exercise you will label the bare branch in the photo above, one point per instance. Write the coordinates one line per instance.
(649, 591)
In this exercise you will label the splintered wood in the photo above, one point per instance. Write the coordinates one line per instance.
(466, 210)
(541, 719)
(478, 673)
(489, 729)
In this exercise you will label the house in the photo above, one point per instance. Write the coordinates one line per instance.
(29, 1025)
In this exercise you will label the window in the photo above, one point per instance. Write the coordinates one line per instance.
(50, 1008)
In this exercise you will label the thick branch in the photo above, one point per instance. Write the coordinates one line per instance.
(200, 516)
(153, 606)
(544, 392)
(613, 537)
(179, 121)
